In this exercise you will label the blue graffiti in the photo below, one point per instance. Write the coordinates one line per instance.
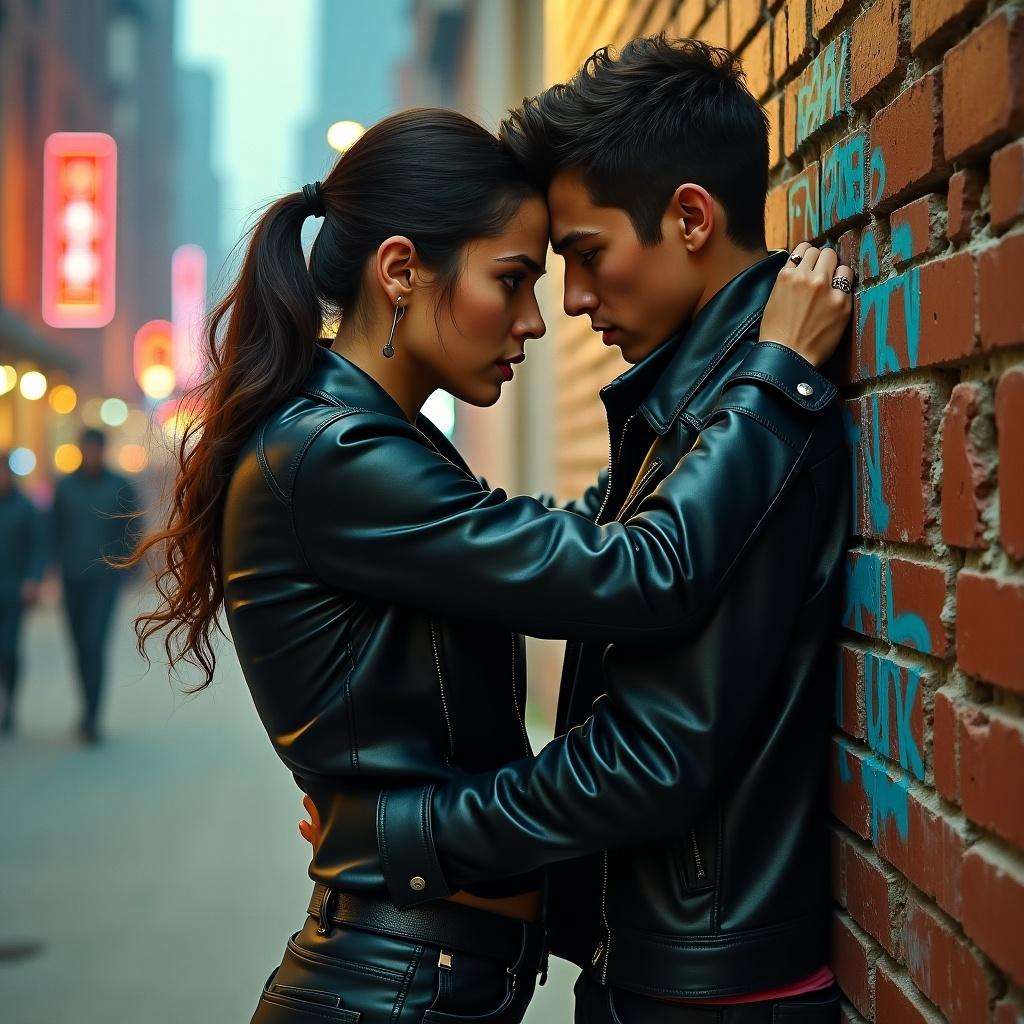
(869, 256)
(907, 629)
(842, 184)
(845, 775)
(802, 208)
(863, 591)
(822, 91)
(888, 798)
(879, 512)
(882, 677)
(876, 171)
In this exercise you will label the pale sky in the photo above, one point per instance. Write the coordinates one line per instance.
(261, 53)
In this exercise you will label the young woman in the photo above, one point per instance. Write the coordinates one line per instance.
(374, 590)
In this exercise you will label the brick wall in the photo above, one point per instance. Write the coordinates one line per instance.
(897, 131)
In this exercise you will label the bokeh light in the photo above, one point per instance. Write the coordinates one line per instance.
(67, 458)
(133, 458)
(92, 412)
(157, 381)
(8, 378)
(439, 408)
(342, 135)
(33, 385)
(113, 412)
(63, 399)
(22, 461)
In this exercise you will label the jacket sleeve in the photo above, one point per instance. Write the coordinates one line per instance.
(641, 767)
(587, 504)
(390, 518)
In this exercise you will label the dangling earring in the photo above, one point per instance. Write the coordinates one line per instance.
(389, 349)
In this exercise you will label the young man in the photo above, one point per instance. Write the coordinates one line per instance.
(681, 807)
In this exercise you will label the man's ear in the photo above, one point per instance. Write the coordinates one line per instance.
(692, 210)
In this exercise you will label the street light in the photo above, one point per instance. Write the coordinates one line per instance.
(342, 135)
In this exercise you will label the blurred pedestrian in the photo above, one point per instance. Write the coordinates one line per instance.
(94, 518)
(22, 560)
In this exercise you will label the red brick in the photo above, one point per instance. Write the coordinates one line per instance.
(904, 432)
(936, 20)
(990, 630)
(908, 135)
(1006, 184)
(930, 856)
(744, 17)
(992, 770)
(776, 218)
(863, 613)
(757, 62)
(848, 246)
(847, 799)
(824, 12)
(963, 202)
(875, 49)
(869, 895)
(789, 112)
(1010, 428)
(944, 967)
(854, 417)
(965, 480)
(773, 110)
(873, 241)
(918, 590)
(944, 747)
(685, 21)
(853, 962)
(803, 214)
(948, 309)
(983, 93)
(920, 223)
(849, 709)
(837, 863)
(999, 293)
(897, 1001)
(791, 38)
(994, 907)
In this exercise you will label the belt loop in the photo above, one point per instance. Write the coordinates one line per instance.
(324, 926)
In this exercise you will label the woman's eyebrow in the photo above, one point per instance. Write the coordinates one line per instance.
(524, 259)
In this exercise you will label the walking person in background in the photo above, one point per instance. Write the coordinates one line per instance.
(22, 560)
(93, 516)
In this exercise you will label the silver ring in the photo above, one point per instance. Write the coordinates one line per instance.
(842, 284)
(796, 258)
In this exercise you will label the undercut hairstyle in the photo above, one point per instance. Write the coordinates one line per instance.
(638, 124)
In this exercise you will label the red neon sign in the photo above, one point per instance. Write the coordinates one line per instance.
(79, 229)
(188, 310)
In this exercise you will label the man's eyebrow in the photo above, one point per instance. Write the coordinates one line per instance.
(523, 258)
(572, 238)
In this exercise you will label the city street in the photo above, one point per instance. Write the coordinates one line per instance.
(155, 878)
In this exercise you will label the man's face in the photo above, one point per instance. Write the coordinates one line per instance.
(635, 295)
(92, 456)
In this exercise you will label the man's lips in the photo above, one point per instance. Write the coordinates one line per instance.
(609, 335)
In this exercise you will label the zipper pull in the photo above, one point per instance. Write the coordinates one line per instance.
(595, 959)
(444, 960)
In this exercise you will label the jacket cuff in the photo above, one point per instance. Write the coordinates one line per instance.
(787, 371)
(405, 842)
(781, 390)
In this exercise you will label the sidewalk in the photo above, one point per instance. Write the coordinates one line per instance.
(121, 866)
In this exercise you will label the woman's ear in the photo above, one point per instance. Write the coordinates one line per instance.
(693, 211)
(397, 268)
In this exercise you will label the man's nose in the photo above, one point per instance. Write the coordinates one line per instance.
(578, 301)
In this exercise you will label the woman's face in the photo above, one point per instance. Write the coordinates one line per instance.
(493, 310)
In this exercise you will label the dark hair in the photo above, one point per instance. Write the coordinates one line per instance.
(638, 125)
(93, 436)
(432, 175)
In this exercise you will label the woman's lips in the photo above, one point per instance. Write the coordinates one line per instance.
(506, 370)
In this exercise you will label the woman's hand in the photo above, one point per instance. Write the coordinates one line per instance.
(807, 311)
(310, 830)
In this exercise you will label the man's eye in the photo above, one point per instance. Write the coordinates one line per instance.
(588, 256)
(512, 281)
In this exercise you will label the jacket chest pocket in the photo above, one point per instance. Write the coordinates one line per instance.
(697, 854)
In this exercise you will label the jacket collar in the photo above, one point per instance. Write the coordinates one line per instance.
(336, 380)
(664, 383)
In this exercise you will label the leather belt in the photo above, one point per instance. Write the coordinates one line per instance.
(440, 923)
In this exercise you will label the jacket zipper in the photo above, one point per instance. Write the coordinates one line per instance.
(444, 698)
(607, 944)
(515, 695)
(698, 861)
(638, 488)
(608, 489)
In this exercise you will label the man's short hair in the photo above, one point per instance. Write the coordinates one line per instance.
(639, 124)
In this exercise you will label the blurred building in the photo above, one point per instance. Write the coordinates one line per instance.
(98, 66)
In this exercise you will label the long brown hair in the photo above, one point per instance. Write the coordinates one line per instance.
(433, 175)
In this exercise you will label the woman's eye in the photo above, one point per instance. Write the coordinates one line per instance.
(588, 256)
(512, 281)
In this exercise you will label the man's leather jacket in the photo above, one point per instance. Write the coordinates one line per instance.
(688, 784)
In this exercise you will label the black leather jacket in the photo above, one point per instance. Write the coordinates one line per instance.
(695, 765)
(375, 590)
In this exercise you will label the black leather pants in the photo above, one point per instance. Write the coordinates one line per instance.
(355, 976)
(597, 1004)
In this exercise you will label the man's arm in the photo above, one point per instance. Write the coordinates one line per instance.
(389, 518)
(647, 760)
